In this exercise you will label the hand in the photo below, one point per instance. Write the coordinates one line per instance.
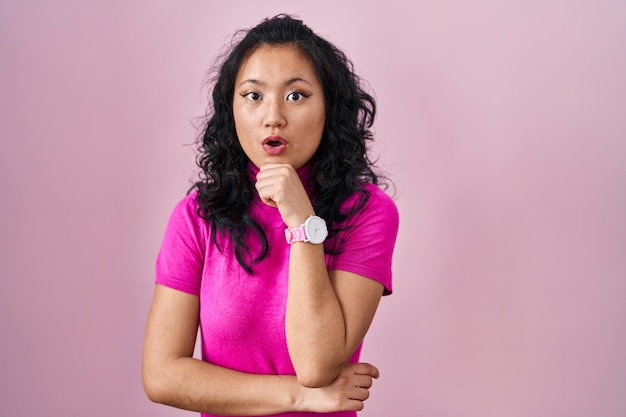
(279, 186)
(347, 393)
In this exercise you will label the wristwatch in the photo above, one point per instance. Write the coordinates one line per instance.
(313, 230)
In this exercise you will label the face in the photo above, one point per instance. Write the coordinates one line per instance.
(278, 106)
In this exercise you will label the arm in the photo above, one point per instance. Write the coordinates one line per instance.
(327, 317)
(172, 376)
(327, 314)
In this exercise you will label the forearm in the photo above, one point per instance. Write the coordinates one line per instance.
(325, 319)
(195, 385)
(172, 376)
(315, 325)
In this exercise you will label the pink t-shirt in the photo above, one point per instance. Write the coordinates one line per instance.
(242, 317)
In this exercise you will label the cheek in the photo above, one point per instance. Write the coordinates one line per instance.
(321, 120)
(319, 129)
(241, 124)
(315, 120)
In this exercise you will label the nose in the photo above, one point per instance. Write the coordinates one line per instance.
(274, 114)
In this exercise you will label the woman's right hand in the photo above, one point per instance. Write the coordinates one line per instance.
(347, 393)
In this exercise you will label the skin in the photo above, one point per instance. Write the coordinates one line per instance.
(328, 314)
(277, 93)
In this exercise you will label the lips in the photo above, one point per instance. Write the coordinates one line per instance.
(274, 145)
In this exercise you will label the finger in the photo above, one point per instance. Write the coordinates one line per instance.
(265, 194)
(278, 177)
(364, 368)
(273, 169)
(360, 394)
(269, 202)
(354, 405)
(271, 165)
(363, 381)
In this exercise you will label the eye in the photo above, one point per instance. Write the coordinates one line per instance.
(296, 96)
(252, 96)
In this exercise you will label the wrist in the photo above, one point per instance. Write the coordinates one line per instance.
(298, 397)
(297, 221)
(313, 230)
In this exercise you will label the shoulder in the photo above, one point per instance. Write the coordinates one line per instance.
(181, 258)
(187, 207)
(378, 203)
(380, 196)
(185, 218)
(379, 214)
(189, 202)
(366, 240)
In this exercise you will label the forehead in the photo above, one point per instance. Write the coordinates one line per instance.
(277, 61)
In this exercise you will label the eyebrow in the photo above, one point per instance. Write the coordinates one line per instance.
(286, 83)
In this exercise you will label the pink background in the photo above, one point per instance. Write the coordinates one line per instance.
(502, 124)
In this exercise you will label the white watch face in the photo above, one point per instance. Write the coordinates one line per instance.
(315, 229)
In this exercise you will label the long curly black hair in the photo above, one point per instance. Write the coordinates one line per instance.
(339, 168)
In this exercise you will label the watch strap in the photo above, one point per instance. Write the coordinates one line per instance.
(295, 234)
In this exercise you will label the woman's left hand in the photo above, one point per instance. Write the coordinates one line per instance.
(279, 186)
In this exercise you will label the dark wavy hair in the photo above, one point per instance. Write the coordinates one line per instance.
(339, 168)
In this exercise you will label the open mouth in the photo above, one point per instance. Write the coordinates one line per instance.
(274, 145)
(274, 141)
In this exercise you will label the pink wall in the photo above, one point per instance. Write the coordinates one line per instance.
(501, 123)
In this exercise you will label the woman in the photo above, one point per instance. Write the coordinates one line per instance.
(283, 249)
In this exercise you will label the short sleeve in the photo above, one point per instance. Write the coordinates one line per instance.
(366, 245)
(180, 261)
